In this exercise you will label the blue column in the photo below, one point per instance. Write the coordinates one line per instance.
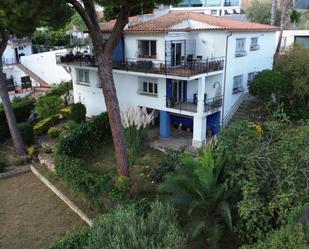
(165, 124)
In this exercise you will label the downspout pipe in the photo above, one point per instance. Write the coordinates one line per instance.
(224, 80)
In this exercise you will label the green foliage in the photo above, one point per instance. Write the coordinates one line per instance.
(78, 113)
(124, 228)
(43, 126)
(169, 163)
(265, 169)
(195, 188)
(53, 132)
(22, 109)
(76, 23)
(40, 37)
(260, 12)
(270, 83)
(58, 38)
(20, 160)
(2, 166)
(85, 137)
(294, 64)
(26, 131)
(48, 106)
(63, 90)
(75, 172)
(295, 16)
(31, 151)
(288, 237)
(74, 241)
(123, 183)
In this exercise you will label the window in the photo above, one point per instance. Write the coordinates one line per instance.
(83, 76)
(21, 48)
(240, 47)
(214, 12)
(148, 86)
(147, 49)
(251, 77)
(238, 84)
(254, 44)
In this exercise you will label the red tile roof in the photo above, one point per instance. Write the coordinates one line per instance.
(168, 22)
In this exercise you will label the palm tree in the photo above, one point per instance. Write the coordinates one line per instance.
(196, 189)
(295, 17)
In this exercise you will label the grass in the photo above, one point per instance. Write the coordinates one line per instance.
(9, 156)
(31, 216)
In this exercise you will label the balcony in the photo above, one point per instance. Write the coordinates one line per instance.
(190, 105)
(184, 68)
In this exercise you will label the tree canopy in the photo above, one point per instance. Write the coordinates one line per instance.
(260, 12)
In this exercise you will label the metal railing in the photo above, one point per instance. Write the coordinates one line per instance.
(190, 105)
(185, 68)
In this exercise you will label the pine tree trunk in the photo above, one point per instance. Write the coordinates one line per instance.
(273, 12)
(10, 116)
(112, 107)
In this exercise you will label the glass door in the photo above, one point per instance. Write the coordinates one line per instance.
(176, 53)
(178, 90)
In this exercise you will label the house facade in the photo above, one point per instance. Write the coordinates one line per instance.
(290, 37)
(16, 48)
(191, 68)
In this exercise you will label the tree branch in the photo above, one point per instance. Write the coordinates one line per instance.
(90, 9)
(121, 22)
(82, 12)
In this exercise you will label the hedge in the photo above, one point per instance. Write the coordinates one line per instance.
(26, 131)
(22, 109)
(85, 137)
(78, 113)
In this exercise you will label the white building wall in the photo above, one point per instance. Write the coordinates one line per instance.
(15, 72)
(131, 45)
(254, 61)
(288, 37)
(44, 65)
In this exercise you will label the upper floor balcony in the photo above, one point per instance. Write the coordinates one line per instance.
(186, 66)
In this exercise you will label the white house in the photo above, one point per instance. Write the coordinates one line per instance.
(289, 37)
(16, 48)
(192, 68)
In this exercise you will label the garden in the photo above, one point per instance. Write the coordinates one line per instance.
(248, 190)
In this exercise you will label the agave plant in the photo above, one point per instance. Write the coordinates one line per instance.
(195, 188)
(135, 123)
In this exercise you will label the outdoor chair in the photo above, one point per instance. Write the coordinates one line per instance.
(26, 83)
(10, 85)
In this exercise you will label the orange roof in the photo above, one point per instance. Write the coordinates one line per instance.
(173, 22)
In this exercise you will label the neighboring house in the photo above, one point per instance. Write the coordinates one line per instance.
(191, 68)
(210, 7)
(44, 65)
(290, 37)
(16, 48)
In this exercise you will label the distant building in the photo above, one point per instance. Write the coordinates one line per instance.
(291, 37)
(301, 4)
(210, 7)
(15, 49)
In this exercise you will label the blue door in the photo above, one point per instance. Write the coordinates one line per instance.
(213, 122)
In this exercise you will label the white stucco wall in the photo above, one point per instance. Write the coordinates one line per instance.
(15, 72)
(44, 65)
(9, 55)
(254, 61)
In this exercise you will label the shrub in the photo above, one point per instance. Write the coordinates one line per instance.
(62, 90)
(123, 183)
(78, 113)
(22, 109)
(85, 137)
(31, 151)
(168, 164)
(43, 126)
(265, 172)
(288, 237)
(270, 83)
(53, 132)
(76, 174)
(74, 241)
(48, 106)
(65, 113)
(124, 228)
(135, 123)
(2, 166)
(195, 188)
(26, 131)
(20, 160)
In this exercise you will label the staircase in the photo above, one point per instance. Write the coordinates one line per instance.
(34, 76)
